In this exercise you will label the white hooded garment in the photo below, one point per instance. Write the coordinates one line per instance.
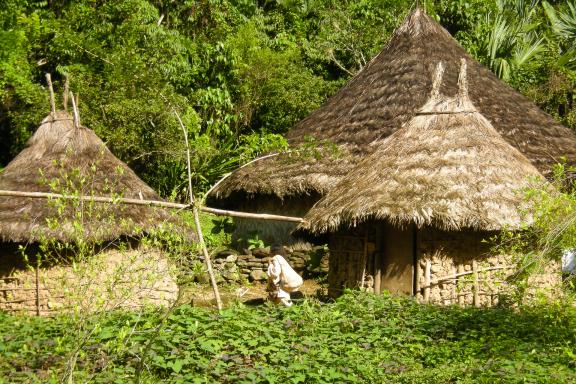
(283, 275)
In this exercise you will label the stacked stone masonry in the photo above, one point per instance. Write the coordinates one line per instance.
(252, 265)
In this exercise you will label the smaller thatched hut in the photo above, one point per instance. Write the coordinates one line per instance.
(64, 157)
(61, 158)
(411, 217)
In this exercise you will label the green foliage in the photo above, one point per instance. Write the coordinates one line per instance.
(548, 229)
(241, 73)
(20, 93)
(360, 338)
(509, 38)
(255, 242)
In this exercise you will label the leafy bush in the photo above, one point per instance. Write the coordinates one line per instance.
(358, 338)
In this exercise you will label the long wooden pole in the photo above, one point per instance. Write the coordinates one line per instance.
(476, 286)
(37, 273)
(66, 91)
(212, 188)
(453, 277)
(75, 111)
(157, 203)
(51, 90)
(207, 259)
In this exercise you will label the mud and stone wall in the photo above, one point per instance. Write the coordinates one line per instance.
(112, 279)
(251, 265)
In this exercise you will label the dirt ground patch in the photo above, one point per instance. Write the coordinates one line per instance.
(201, 295)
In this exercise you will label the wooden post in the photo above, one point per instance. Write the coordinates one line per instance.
(66, 90)
(378, 272)
(475, 288)
(364, 258)
(454, 298)
(77, 108)
(51, 90)
(207, 260)
(427, 273)
(37, 289)
(460, 294)
(154, 203)
(75, 111)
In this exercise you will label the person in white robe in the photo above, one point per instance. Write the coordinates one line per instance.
(282, 280)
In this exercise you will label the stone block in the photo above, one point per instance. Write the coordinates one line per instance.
(258, 275)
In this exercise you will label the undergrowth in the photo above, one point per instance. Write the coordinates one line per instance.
(358, 338)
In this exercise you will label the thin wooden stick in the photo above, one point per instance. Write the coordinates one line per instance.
(230, 173)
(66, 90)
(459, 285)
(77, 108)
(51, 90)
(454, 286)
(248, 215)
(207, 259)
(427, 272)
(476, 287)
(74, 110)
(157, 203)
(452, 277)
(37, 289)
(364, 257)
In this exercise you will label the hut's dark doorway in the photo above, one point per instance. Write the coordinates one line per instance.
(394, 259)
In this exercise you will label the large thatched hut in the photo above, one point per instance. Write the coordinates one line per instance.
(66, 158)
(378, 100)
(411, 217)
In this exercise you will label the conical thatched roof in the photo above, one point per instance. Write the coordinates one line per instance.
(446, 167)
(62, 158)
(386, 94)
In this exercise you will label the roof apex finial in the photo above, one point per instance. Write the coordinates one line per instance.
(437, 80)
(462, 80)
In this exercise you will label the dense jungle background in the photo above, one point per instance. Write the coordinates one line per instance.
(242, 72)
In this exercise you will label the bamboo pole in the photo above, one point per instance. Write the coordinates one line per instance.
(37, 289)
(475, 289)
(77, 108)
(451, 277)
(427, 273)
(454, 286)
(157, 203)
(51, 90)
(364, 258)
(212, 188)
(207, 259)
(66, 91)
(75, 111)
(460, 295)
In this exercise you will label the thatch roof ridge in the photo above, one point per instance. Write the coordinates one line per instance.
(447, 167)
(385, 95)
(59, 153)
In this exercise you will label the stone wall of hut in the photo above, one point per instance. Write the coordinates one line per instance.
(251, 265)
(113, 279)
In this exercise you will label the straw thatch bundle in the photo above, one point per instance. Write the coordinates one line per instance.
(62, 158)
(385, 95)
(446, 167)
